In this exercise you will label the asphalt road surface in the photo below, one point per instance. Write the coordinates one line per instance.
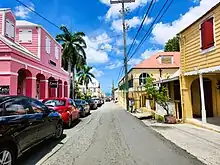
(109, 136)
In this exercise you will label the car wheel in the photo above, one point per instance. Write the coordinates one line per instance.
(59, 131)
(84, 113)
(70, 122)
(7, 155)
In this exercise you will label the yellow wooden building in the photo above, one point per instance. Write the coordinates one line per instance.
(160, 65)
(200, 67)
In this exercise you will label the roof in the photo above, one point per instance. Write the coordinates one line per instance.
(173, 77)
(5, 9)
(214, 7)
(25, 23)
(153, 62)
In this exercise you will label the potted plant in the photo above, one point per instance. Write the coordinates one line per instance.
(159, 94)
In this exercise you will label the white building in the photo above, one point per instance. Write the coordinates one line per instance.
(94, 88)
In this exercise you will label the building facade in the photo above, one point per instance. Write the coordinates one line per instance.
(30, 60)
(200, 67)
(94, 88)
(160, 66)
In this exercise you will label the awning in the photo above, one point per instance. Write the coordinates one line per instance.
(173, 77)
(201, 71)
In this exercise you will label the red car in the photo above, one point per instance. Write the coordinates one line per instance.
(66, 107)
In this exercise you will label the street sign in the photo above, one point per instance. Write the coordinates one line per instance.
(53, 84)
(4, 90)
(121, 1)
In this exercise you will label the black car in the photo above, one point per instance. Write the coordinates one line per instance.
(92, 104)
(24, 122)
(83, 107)
(98, 102)
(108, 99)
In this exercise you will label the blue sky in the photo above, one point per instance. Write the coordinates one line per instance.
(101, 23)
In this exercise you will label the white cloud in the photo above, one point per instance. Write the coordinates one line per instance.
(93, 53)
(164, 31)
(102, 38)
(22, 11)
(97, 73)
(106, 47)
(132, 23)
(150, 52)
(114, 9)
(134, 61)
(114, 65)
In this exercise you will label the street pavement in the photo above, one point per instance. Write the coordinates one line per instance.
(109, 136)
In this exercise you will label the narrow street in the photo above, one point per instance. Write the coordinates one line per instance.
(109, 136)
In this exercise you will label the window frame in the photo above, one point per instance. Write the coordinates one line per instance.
(142, 78)
(48, 45)
(56, 52)
(44, 110)
(204, 51)
(8, 33)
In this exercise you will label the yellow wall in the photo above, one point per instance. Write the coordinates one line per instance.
(137, 96)
(191, 56)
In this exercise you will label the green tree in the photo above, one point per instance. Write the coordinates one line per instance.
(172, 45)
(85, 76)
(159, 95)
(73, 53)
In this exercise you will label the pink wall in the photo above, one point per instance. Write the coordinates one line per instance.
(1, 23)
(46, 57)
(32, 47)
(4, 47)
(10, 16)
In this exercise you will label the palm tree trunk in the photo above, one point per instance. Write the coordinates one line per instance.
(70, 78)
(73, 83)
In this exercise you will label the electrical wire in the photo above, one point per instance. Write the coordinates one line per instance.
(153, 23)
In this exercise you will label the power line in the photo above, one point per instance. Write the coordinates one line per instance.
(153, 23)
(140, 27)
(38, 14)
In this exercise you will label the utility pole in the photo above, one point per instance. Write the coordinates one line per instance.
(125, 45)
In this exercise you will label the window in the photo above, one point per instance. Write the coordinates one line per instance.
(55, 103)
(48, 43)
(56, 52)
(70, 102)
(37, 106)
(166, 59)
(10, 29)
(207, 34)
(94, 89)
(25, 35)
(16, 107)
(142, 78)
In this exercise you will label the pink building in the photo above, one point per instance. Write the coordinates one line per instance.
(30, 60)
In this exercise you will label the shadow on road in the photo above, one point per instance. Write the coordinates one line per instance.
(35, 154)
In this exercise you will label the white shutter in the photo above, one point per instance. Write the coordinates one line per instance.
(56, 52)
(47, 45)
(12, 31)
(25, 35)
(8, 28)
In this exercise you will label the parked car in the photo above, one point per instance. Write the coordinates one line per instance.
(108, 99)
(102, 101)
(98, 102)
(66, 107)
(24, 122)
(83, 107)
(92, 104)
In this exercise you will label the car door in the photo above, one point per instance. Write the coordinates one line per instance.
(45, 123)
(73, 109)
(17, 112)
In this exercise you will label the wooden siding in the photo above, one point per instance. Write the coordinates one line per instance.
(1, 23)
(191, 56)
(4, 47)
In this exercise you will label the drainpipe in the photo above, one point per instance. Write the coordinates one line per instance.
(202, 98)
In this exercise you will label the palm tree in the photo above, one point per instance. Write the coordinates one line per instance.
(85, 76)
(73, 53)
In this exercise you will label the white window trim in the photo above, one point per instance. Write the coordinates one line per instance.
(39, 42)
(3, 23)
(25, 41)
(204, 51)
(56, 51)
(48, 47)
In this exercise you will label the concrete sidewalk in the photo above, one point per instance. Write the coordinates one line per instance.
(201, 143)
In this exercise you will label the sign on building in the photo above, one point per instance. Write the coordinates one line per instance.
(53, 84)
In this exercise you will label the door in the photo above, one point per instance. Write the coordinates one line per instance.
(17, 112)
(208, 97)
(45, 123)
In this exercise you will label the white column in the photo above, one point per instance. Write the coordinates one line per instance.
(202, 98)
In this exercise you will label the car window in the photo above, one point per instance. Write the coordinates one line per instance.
(78, 102)
(74, 104)
(16, 107)
(71, 102)
(1, 109)
(55, 103)
(37, 106)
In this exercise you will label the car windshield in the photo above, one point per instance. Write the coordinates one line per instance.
(54, 103)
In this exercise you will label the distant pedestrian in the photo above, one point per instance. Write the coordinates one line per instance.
(131, 104)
